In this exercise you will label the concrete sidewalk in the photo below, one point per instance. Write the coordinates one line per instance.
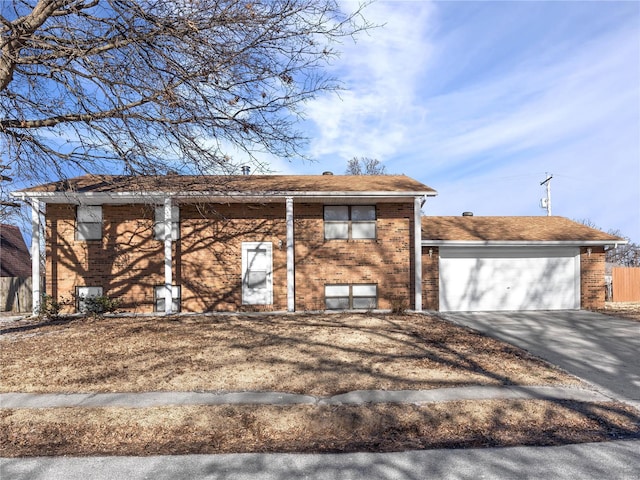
(155, 399)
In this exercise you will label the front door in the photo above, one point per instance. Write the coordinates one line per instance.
(257, 281)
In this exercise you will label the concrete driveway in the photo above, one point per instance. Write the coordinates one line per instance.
(601, 349)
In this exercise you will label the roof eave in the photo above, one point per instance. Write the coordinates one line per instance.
(159, 196)
(521, 243)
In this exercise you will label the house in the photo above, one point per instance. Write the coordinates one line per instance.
(15, 271)
(247, 242)
(294, 243)
(513, 263)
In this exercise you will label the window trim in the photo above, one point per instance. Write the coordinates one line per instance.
(81, 210)
(176, 299)
(350, 222)
(351, 296)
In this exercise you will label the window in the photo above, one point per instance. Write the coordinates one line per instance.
(89, 222)
(84, 293)
(345, 297)
(158, 296)
(158, 226)
(349, 222)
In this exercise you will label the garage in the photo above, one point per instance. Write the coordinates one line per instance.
(472, 263)
(509, 278)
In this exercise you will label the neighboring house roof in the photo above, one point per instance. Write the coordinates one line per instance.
(239, 185)
(511, 230)
(15, 260)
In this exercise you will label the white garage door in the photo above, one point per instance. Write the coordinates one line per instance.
(509, 278)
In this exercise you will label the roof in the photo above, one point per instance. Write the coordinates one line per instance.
(472, 229)
(15, 260)
(251, 185)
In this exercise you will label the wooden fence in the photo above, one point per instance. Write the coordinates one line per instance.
(15, 294)
(626, 284)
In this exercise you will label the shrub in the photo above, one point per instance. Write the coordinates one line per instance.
(98, 306)
(399, 305)
(50, 307)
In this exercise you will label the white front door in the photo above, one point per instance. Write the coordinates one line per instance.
(257, 275)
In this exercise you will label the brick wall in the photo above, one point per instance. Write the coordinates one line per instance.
(430, 278)
(128, 263)
(384, 261)
(592, 282)
(210, 257)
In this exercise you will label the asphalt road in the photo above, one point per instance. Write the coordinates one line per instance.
(595, 461)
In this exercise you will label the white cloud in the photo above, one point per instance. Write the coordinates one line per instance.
(381, 72)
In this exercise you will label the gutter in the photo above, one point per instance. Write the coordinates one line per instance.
(158, 196)
(521, 243)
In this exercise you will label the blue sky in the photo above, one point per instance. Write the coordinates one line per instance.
(479, 99)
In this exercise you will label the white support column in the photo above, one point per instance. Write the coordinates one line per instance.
(291, 289)
(35, 255)
(417, 250)
(168, 274)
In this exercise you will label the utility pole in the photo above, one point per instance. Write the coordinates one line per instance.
(546, 202)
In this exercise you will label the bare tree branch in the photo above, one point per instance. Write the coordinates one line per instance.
(365, 166)
(139, 86)
(627, 255)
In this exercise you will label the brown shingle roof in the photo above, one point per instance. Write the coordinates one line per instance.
(15, 260)
(236, 183)
(533, 229)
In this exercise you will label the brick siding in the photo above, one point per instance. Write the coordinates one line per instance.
(592, 282)
(430, 278)
(128, 262)
(384, 261)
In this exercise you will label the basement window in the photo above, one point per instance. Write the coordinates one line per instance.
(347, 297)
(85, 293)
(158, 295)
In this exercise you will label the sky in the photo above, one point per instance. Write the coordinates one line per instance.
(480, 100)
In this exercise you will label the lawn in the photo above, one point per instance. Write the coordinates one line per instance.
(319, 355)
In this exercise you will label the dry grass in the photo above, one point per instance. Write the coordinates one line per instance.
(380, 427)
(312, 354)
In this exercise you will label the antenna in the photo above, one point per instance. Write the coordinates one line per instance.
(546, 202)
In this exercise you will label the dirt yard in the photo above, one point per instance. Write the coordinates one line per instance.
(314, 354)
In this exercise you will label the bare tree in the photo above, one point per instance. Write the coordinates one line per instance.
(626, 255)
(365, 166)
(149, 86)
